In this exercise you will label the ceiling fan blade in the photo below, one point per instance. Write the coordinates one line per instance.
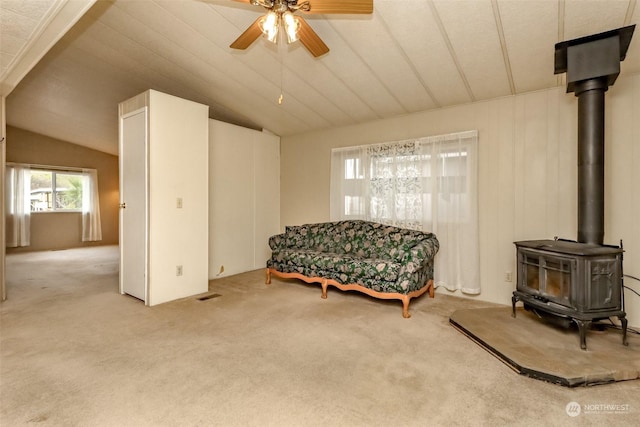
(249, 36)
(341, 6)
(310, 39)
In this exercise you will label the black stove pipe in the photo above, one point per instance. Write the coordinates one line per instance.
(590, 95)
(592, 64)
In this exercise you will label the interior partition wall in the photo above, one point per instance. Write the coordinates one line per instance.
(244, 197)
(174, 156)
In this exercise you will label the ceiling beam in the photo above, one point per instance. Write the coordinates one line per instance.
(503, 45)
(452, 52)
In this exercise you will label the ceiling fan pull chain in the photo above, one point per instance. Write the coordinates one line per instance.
(281, 48)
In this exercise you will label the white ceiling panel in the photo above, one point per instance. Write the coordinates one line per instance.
(408, 56)
(585, 17)
(85, 128)
(427, 52)
(19, 20)
(350, 68)
(531, 32)
(32, 9)
(10, 45)
(343, 99)
(185, 51)
(209, 30)
(17, 25)
(471, 27)
(265, 64)
(170, 58)
(379, 50)
(90, 88)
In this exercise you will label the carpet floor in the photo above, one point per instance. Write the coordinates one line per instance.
(74, 352)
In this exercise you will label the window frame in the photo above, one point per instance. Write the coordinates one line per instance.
(54, 189)
(453, 171)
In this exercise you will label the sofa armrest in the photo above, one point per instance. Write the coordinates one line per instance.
(277, 242)
(416, 268)
(418, 258)
(424, 251)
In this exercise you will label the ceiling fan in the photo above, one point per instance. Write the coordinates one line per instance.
(280, 16)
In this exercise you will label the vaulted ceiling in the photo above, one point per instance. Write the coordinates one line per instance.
(408, 56)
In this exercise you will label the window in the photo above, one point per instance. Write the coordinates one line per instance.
(55, 191)
(453, 171)
(34, 188)
(353, 205)
(353, 169)
(352, 174)
(427, 184)
(398, 183)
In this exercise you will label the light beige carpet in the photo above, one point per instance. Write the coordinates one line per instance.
(74, 352)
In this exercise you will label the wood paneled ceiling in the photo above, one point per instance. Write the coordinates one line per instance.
(408, 56)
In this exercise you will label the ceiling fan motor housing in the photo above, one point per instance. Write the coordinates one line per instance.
(297, 28)
(279, 6)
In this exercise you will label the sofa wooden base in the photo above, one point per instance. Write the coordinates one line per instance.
(405, 298)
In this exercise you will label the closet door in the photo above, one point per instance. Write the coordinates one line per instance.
(133, 204)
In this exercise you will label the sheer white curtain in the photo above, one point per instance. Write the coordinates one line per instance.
(18, 204)
(349, 183)
(426, 184)
(91, 227)
(453, 208)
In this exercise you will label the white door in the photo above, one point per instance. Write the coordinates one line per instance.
(133, 204)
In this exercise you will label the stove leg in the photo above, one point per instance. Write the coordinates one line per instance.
(514, 300)
(623, 320)
(582, 328)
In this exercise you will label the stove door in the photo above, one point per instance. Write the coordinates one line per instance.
(546, 276)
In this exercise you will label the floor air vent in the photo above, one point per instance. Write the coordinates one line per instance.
(208, 297)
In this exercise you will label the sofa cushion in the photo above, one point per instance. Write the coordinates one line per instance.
(349, 268)
(322, 237)
(356, 238)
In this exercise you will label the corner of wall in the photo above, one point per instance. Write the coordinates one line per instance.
(3, 141)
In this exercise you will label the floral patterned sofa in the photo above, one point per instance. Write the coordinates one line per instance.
(379, 260)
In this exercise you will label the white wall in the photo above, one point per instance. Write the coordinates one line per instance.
(527, 173)
(244, 197)
(178, 168)
(3, 145)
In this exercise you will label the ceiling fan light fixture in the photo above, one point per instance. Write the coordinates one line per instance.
(280, 21)
(291, 26)
(269, 26)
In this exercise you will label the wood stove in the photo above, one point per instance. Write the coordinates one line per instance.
(581, 282)
(567, 282)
